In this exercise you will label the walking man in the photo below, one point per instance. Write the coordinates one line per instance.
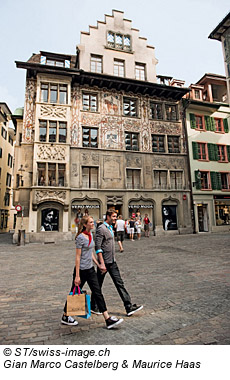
(105, 250)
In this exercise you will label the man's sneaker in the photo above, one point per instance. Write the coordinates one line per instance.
(67, 320)
(112, 322)
(96, 311)
(133, 309)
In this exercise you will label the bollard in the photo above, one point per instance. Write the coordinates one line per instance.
(21, 237)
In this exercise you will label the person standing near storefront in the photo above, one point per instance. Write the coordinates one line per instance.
(105, 250)
(131, 228)
(120, 232)
(146, 225)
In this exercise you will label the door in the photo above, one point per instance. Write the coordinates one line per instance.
(203, 218)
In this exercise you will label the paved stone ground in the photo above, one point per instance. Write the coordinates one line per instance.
(183, 282)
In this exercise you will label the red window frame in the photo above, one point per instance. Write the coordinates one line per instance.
(202, 156)
(200, 124)
(222, 156)
(209, 187)
(219, 128)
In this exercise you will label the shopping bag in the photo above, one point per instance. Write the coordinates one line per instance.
(87, 307)
(76, 303)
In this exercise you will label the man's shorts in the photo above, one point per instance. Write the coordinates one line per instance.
(120, 235)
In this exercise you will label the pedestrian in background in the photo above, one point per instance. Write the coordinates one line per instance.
(131, 229)
(138, 228)
(146, 225)
(120, 232)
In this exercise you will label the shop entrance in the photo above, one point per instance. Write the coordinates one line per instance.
(117, 208)
(202, 211)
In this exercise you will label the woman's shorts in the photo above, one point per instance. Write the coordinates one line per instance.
(120, 235)
(131, 230)
(146, 227)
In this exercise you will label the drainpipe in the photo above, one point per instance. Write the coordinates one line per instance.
(186, 103)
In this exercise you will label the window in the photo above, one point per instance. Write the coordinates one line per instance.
(54, 62)
(173, 144)
(158, 143)
(51, 174)
(55, 131)
(205, 180)
(219, 125)
(197, 94)
(7, 199)
(10, 160)
(52, 131)
(119, 68)
(199, 122)
(225, 181)
(156, 110)
(202, 151)
(4, 133)
(90, 137)
(160, 179)
(0, 152)
(62, 132)
(171, 112)
(118, 41)
(54, 93)
(131, 141)
(176, 180)
(90, 177)
(140, 71)
(222, 153)
(96, 64)
(8, 180)
(41, 174)
(130, 107)
(133, 178)
(89, 102)
(11, 141)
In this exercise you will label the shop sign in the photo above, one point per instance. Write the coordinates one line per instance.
(85, 206)
(140, 206)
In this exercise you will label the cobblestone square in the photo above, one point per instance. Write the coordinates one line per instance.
(182, 281)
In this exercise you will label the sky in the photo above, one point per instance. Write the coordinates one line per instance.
(178, 29)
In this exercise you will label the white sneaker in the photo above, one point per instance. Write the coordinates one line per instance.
(68, 320)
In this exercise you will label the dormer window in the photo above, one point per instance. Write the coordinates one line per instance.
(53, 61)
(118, 41)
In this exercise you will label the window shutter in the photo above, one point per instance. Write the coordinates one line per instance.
(195, 150)
(209, 123)
(213, 124)
(228, 152)
(198, 180)
(192, 121)
(213, 180)
(219, 184)
(212, 152)
(226, 129)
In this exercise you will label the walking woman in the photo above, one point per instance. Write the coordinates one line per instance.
(84, 272)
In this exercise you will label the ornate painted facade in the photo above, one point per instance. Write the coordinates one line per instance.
(99, 132)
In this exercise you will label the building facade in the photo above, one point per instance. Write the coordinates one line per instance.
(99, 131)
(209, 151)
(7, 138)
(222, 33)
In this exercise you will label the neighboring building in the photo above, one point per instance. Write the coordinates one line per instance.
(99, 131)
(209, 151)
(222, 33)
(7, 136)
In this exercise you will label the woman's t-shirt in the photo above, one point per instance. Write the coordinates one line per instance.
(86, 261)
